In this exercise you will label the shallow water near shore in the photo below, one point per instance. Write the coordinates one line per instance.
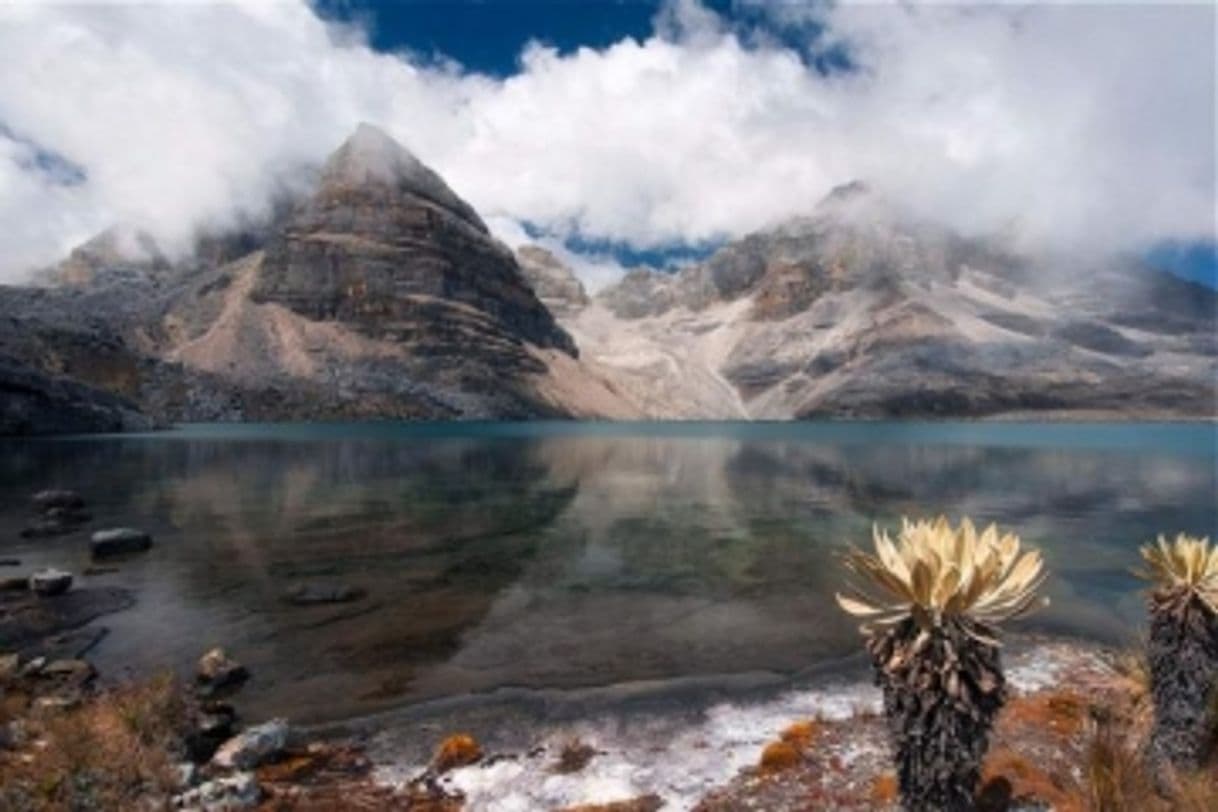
(551, 556)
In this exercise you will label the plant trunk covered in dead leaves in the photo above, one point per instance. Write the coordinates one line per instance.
(1183, 655)
(942, 689)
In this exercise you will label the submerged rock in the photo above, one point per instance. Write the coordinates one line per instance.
(308, 594)
(48, 528)
(57, 498)
(252, 747)
(60, 511)
(68, 515)
(119, 541)
(50, 582)
(29, 623)
(68, 645)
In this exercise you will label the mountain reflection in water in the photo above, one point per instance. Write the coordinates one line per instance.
(562, 555)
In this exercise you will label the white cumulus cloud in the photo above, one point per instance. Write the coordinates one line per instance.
(1083, 126)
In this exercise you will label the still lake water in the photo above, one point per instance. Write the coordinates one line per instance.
(562, 555)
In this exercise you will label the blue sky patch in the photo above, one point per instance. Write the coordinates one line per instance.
(54, 167)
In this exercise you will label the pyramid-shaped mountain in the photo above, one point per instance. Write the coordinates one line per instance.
(379, 293)
(385, 245)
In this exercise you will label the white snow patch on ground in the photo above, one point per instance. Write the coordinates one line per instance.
(682, 759)
(678, 760)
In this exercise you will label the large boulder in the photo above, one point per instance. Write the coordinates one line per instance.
(253, 746)
(50, 582)
(217, 670)
(119, 541)
(48, 528)
(213, 725)
(57, 498)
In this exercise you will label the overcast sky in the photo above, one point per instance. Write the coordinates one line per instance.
(1081, 126)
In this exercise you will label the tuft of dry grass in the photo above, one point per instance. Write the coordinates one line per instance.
(115, 751)
(574, 756)
(1114, 776)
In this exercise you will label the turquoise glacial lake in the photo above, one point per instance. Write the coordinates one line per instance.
(570, 555)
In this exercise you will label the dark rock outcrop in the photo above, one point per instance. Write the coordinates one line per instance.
(32, 402)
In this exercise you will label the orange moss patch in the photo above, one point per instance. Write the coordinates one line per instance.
(458, 750)
(884, 790)
(801, 735)
(780, 755)
(1063, 713)
(293, 767)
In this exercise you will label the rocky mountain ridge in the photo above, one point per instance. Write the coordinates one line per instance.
(380, 293)
(855, 311)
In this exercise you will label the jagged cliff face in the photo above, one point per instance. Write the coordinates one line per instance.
(384, 245)
(855, 312)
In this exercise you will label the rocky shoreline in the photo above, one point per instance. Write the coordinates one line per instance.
(818, 744)
(746, 742)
